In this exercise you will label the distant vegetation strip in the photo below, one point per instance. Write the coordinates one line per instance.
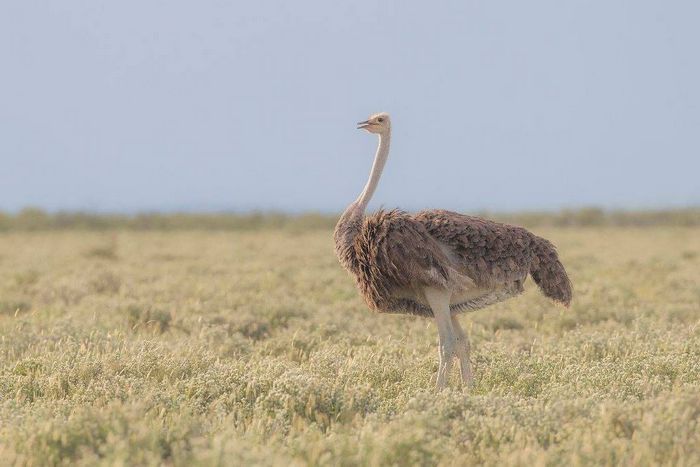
(31, 219)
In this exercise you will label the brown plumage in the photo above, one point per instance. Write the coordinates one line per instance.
(437, 263)
(392, 251)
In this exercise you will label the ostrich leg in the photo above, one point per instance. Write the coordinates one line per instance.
(463, 349)
(439, 301)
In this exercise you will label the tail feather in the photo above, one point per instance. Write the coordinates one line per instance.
(549, 274)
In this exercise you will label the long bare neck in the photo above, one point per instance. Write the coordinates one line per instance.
(377, 167)
(350, 222)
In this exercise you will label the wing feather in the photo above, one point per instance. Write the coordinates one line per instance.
(490, 253)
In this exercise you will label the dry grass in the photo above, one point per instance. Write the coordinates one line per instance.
(209, 348)
(32, 220)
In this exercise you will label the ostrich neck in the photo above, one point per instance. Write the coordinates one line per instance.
(377, 167)
(350, 222)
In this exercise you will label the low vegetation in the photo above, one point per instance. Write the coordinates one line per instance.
(244, 346)
(33, 219)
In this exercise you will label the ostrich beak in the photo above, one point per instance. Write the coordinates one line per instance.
(363, 125)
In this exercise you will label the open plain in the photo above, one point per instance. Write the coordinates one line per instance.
(251, 346)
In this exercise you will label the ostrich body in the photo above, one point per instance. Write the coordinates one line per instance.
(438, 263)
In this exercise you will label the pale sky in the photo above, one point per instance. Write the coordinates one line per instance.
(233, 105)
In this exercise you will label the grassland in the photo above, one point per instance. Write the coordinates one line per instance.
(251, 346)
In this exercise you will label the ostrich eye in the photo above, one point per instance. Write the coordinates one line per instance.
(380, 119)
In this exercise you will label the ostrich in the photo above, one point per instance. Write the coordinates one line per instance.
(438, 263)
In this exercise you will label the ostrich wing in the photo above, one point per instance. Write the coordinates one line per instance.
(490, 253)
(396, 252)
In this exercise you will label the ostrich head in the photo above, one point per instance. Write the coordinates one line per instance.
(378, 123)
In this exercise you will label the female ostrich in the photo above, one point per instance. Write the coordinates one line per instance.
(438, 263)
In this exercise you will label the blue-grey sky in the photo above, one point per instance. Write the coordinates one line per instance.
(231, 105)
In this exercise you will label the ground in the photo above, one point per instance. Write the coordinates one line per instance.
(223, 348)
